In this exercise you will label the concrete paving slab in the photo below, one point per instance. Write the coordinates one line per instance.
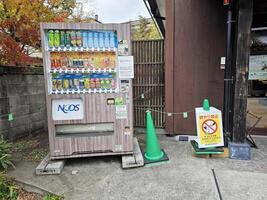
(183, 177)
(236, 185)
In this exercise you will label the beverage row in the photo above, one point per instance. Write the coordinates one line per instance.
(83, 81)
(91, 39)
(87, 63)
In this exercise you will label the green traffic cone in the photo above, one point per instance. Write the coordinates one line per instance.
(206, 105)
(153, 151)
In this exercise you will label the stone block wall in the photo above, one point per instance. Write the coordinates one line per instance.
(22, 94)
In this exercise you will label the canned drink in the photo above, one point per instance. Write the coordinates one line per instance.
(56, 38)
(85, 38)
(73, 38)
(51, 38)
(78, 38)
(62, 38)
(68, 38)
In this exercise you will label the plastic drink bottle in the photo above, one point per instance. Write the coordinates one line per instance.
(62, 38)
(76, 82)
(111, 40)
(66, 83)
(67, 38)
(87, 82)
(51, 38)
(106, 39)
(97, 83)
(81, 82)
(101, 40)
(54, 84)
(90, 40)
(78, 38)
(59, 83)
(96, 40)
(113, 83)
(85, 38)
(102, 83)
(92, 83)
(73, 38)
(108, 83)
(56, 38)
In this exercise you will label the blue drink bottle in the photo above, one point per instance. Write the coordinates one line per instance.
(90, 41)
(101, 40)
(111, 40)
(85, 38)
(96, 40)
(106, 39)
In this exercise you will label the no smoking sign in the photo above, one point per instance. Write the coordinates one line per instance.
(209, 126)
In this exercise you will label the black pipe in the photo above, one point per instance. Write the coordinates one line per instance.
(228, 76)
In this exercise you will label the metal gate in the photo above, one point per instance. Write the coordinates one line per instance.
(148, 82)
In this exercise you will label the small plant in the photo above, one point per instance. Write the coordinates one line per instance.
(8, 191)
(52, 197)
(5, 154)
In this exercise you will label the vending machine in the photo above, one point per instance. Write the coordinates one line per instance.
(88, 70)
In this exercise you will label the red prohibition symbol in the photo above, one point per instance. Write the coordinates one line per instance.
(209, 126)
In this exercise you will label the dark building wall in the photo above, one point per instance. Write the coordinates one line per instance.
(195, 41)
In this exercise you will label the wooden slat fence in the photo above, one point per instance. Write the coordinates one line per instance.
(148, 82)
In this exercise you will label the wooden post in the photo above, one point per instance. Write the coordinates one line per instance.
(169, 64)
(244, 17)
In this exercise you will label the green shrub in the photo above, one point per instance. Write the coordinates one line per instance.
(5, 154)
(8, 191)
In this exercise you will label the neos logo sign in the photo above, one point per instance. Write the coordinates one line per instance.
(67, 109)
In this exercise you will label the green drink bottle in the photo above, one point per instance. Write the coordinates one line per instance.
(67, 38)
(62, 38)
(51, 38)
(56, 38)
